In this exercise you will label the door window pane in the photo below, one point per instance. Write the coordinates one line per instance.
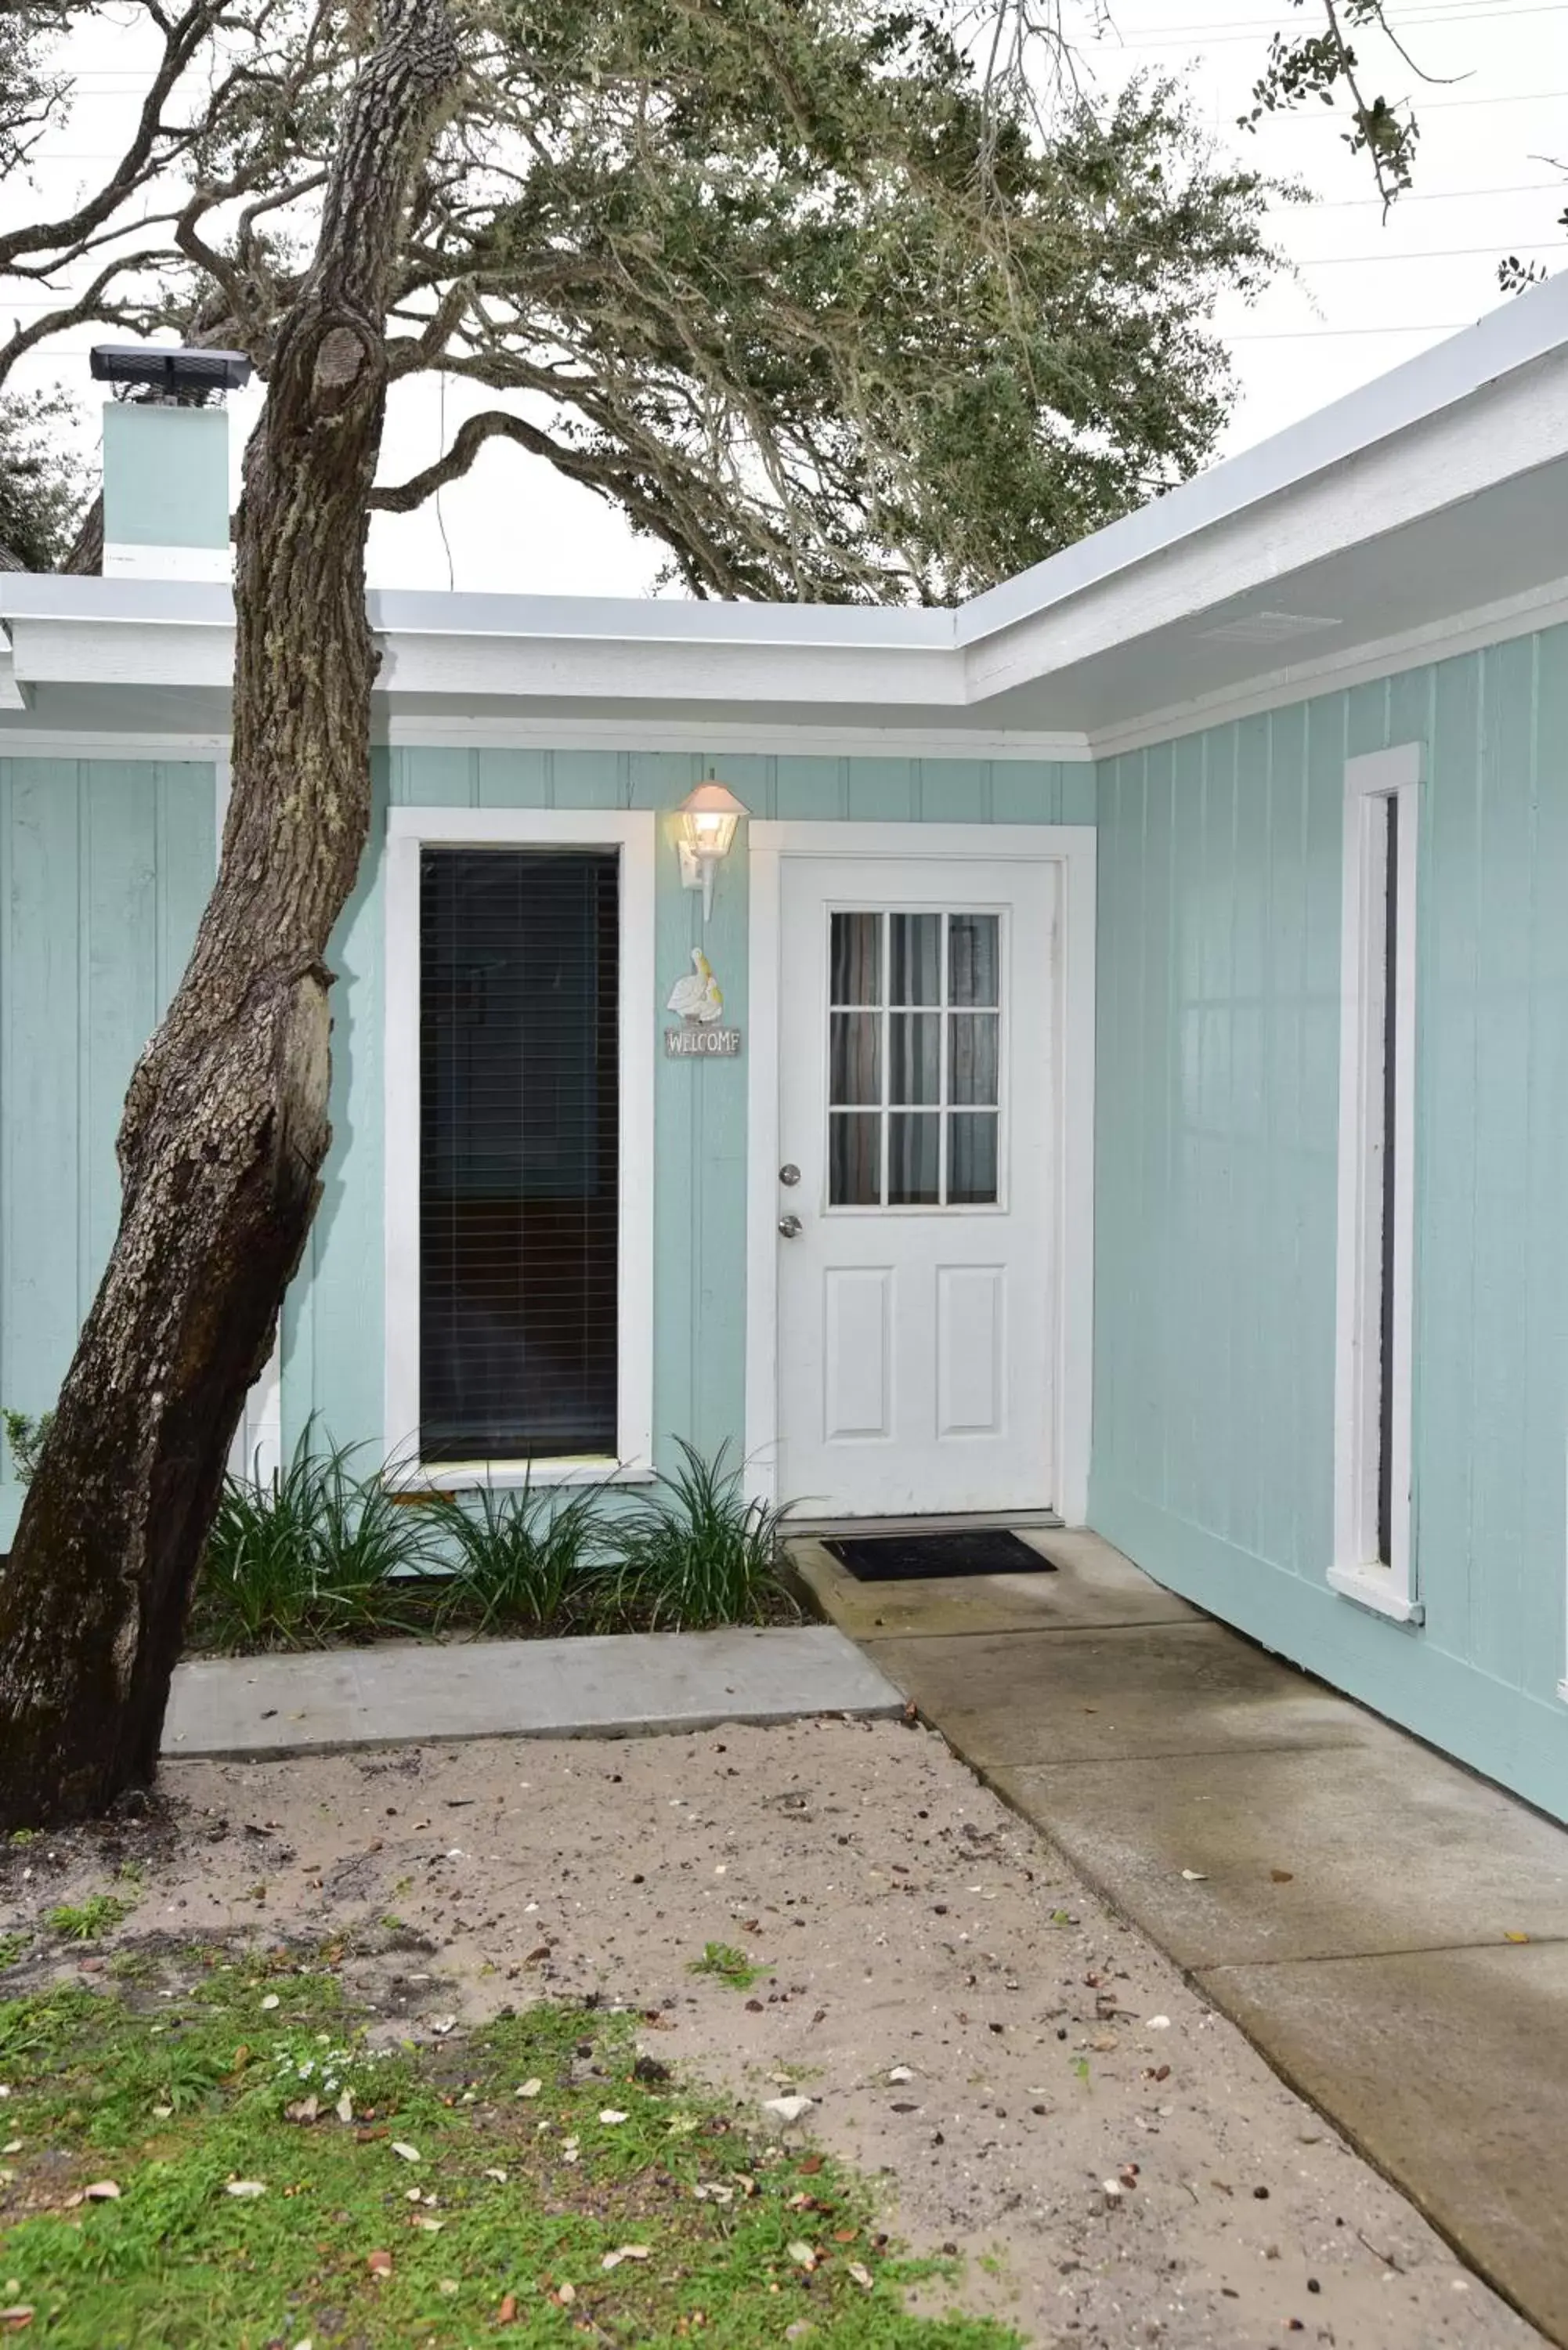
(973, 959)
(916, 958)
(854, 1058)
(972, 1056)
(914, 1048)
(855, 959)
(854, 1159)
(914, 1169)
(914, 1058)
(971, 1159)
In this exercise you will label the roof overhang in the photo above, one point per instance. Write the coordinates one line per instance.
(1431, 502)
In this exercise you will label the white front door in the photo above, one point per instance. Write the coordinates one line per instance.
(918, 1175)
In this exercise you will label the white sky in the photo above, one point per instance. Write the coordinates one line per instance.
(1367, 294)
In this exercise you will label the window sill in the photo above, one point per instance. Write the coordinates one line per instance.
(512, 1476)
(1373, 1588)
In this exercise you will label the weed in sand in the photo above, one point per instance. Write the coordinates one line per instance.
(99, 1914)
(729, 1964)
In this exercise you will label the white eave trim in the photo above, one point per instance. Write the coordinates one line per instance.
(13, 692)
(731, 738)
(1452, 457)
(1459, 632)
(616, 621)
(1485, 406)
(1527, 328)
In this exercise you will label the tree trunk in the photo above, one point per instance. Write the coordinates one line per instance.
(85, 555)
(225, 1123)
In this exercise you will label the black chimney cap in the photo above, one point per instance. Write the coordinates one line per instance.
(181, 376)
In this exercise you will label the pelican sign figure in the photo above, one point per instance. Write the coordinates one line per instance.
(699, 999)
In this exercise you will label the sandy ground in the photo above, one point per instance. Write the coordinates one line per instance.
(1117, 2164)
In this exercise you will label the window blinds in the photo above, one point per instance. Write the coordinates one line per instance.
(519, 1177)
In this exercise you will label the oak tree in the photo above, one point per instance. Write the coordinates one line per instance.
(819, 293)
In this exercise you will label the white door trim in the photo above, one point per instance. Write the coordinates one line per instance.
(409, 830)
(1071, 848)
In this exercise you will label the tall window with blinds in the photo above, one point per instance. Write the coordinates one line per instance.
(519, 1152)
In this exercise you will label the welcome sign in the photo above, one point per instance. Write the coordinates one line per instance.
(691, 1044)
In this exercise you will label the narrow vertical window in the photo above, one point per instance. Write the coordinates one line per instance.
(1373, 1559)
(1387, 1141)
(519, 1177)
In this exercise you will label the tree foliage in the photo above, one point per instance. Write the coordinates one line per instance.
(43, 482)
(805, 287)
(1324, 65)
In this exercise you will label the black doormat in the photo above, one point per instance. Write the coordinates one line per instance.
(905, 1558)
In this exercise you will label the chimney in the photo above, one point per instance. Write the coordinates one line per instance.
(166, 461)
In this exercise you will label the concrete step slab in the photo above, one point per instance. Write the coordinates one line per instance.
(1092, 1585)
(602, 1686)
(1449, 2068)
(1127, 1690)
(1380, 1847)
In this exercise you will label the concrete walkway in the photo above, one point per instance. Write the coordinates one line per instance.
(612, 1685)
(1391, 1932)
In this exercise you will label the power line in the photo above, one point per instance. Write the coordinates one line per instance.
(1328, 334)
(1435, 105)
(1446, 252)
(1215, 37)
(1435, 196)
(1435, 12)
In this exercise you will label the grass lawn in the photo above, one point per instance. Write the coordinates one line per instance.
(207, 2155)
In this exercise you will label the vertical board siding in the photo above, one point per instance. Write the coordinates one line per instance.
(332, 1321)
(1218, 1126)
(105, 865)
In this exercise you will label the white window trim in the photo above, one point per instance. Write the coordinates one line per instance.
(1073, 847)
(1357, 1573)
(409, 829)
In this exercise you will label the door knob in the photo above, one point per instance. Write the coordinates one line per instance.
(789, 1174)
(789, 1226)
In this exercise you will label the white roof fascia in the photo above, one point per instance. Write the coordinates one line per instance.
(619, 620)
(61, 596)
(13, 693)
(1521, 424)
(1532, 325)
(588, 620)
(632, 669)
(1484, 406)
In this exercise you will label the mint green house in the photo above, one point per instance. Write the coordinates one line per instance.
(1103, 1049)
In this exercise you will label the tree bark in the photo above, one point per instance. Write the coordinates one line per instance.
(225, 1124)
(85, 555)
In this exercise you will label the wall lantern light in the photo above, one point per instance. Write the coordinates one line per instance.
(708, 821)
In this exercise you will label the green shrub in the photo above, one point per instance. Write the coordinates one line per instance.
(313, 1554)
(697, 1551)
(528, 1558)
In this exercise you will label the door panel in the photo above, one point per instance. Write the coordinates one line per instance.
(918, 1096)
(857, 1386)
(972, 1356)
